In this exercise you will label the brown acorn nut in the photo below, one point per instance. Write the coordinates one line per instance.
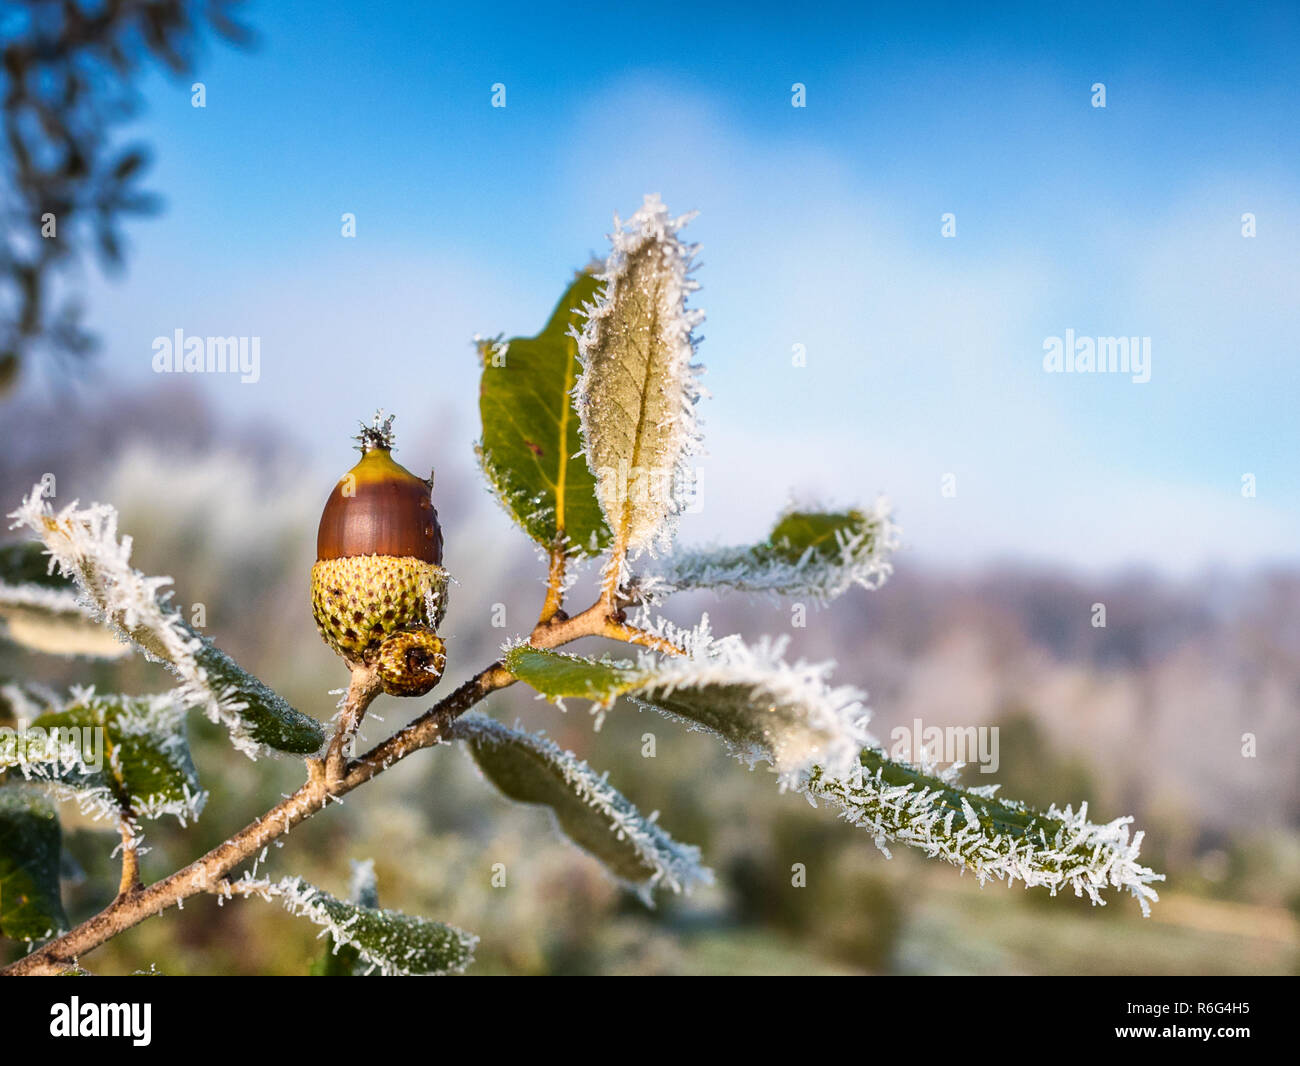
(378, 588)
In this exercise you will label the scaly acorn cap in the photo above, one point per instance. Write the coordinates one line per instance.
(378, 586)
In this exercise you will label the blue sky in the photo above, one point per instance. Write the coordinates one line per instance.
(819, 226)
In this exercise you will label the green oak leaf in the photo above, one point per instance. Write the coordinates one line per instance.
(42, 611)
(266, 716)
(530, 448)
(30, 843)
(531, 768)
(760, 707)
(342, 959)
(818, 554)
(819, 532)
(144, 756)
(389, 941)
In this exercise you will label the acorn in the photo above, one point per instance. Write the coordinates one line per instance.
(378, 589)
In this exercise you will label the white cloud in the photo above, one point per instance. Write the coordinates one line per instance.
(924, 355)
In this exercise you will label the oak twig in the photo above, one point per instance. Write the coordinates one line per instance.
(630, 634)
(330, 778)
(362, 690)
(554, 601)
(130, 856)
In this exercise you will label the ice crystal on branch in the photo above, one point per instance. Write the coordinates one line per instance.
(531, 768)
(83, 542)
(637, 392)
(815, 736)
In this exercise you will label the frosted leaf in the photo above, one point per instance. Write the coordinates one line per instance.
(343, 960)
(84, 545)
(30, 847)
(530, 450)
(64, 764)
(393, 943)
(764, 708)
(638, 388)
(531, 768)
(1000, 840)
(112, 755)
(52, 621)
(25, 563)
(41, 610)
(818, 555)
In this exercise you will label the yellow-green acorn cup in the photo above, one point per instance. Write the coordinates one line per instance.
(378, 589)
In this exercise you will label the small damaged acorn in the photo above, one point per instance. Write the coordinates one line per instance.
(378, 589)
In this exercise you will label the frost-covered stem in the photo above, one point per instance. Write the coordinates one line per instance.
(609, 585)
(206, 873)
(429, 728)
(130, 857)
(362, 690)
(239, 887)
(126, 825)
(630, 634)
(554, 584)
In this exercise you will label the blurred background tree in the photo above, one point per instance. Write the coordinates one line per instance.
(67, 75)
